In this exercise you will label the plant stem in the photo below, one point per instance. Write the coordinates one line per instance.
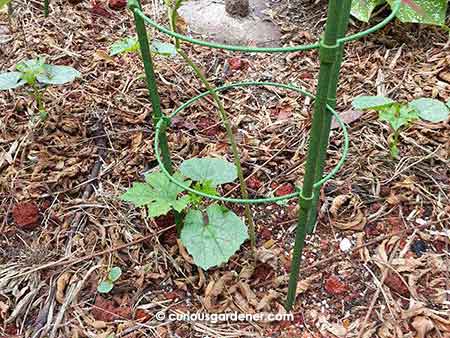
(40, 103)
(226, 121)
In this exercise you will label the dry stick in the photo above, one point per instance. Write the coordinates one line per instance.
(67, 263)
(223, 115)
(383, 278)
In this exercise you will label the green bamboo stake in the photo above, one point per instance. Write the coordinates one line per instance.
(151, 81)
(153, 92)
(46, 4)
(328, 54)
(324, 138)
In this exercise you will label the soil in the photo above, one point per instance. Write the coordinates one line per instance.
(98, 139)
(26, 215)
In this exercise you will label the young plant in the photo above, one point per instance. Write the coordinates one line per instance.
(211, 234)
(400, 115)
(432, 12)
(106, 285)
(37, 75)
(172, 10)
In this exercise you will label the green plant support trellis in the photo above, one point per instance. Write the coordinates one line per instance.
(331, 48)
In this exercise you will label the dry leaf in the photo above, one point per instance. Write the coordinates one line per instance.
(61, 284)
(248, 293)
(215, 289)
(422, 325)
(247, 272)
(363, 252)
(267, 300)
(337, 203)
(357, 223)
(348, 117)
(184, 253)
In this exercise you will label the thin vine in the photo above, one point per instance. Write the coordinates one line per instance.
(173, 15)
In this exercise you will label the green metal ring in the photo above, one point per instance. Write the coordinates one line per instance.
(161, 125)
(352, 37)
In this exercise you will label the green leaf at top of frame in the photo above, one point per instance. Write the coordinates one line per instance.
(11, 80)
(4, 3)
(158, 194)
(431, 109)
(57, 75)
(371, 102)
(362, 9)
(214, 170)
(213, 238)
(105, 286)
(162, 48)
(398, 115)
(114, 274)
(431, 12)
(126, 45)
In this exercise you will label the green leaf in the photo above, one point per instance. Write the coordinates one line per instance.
(159, 194)
(43, 115)
(57, 75)
(431, 109)
(105, 286)
(139, 194)
(362, 9)
(398, 115)
(126, 45)
(205, 187)
(3, 3)
(212, 240)
(162, 48)
(114, 274)
(371, 102)
(422, 11)
(11, 80)
(30, 69)
(214, 170)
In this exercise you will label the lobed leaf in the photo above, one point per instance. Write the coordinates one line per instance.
(11, 80)
(431, 109)
(159, 194)
(431, 12)
(214, 170)
(57, 75)
(398, 115)
(126, 45)
(212, 240)
(30, 69)
(362, 9)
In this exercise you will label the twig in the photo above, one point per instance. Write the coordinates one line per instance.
(69, 262)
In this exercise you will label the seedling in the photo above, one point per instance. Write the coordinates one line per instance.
(37, 75)
(210, 234)
(107, 285)
(400, 115)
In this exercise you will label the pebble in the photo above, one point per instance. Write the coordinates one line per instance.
(345, 244)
